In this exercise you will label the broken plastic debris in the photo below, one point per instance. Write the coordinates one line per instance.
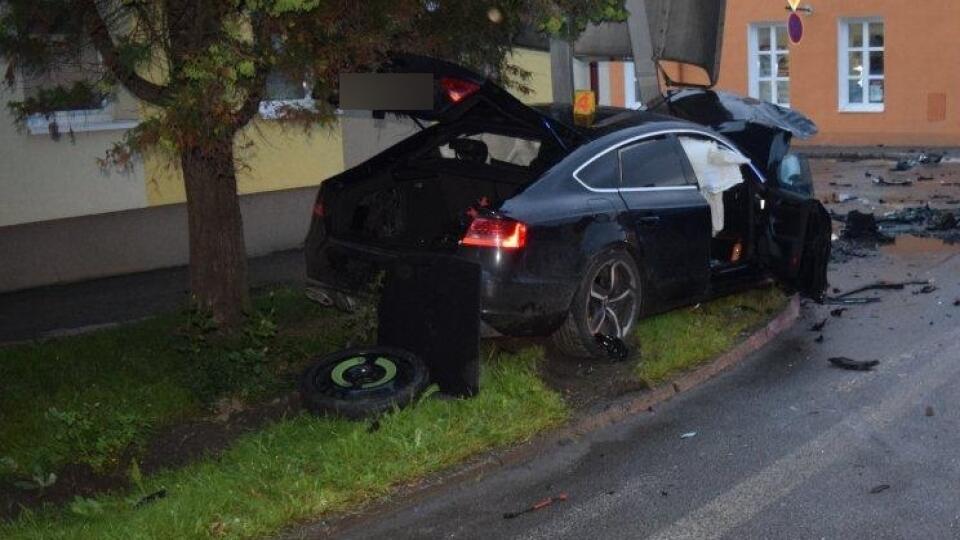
(689, 435)
(616, 349)
(880, 488)
(882, 285)
(926, 289)
(853, 365)
(539, 505)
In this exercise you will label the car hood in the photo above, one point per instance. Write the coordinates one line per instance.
(719, 109)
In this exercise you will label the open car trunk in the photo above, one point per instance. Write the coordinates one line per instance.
(422, 205)
(483, 147)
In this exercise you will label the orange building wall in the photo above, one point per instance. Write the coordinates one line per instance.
(922, 57)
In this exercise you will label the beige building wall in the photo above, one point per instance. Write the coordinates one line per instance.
(43, 179)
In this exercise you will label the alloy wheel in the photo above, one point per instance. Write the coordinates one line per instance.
(614, 298)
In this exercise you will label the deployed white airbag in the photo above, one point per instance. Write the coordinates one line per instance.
(717, 169)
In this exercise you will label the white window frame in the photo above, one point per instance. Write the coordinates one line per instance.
(78, 120)
(843, 64)
(753, 56)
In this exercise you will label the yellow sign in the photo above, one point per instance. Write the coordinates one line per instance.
(794, 4)
(584, 107)
(584, 102)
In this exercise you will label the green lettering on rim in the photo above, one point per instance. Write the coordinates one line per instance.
(342, 367)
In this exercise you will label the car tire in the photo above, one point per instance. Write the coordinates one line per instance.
(599, 308)
(362, 382)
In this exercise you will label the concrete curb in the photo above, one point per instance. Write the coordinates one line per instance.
(612, 413)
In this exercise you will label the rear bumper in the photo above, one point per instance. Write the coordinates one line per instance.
(513, 302)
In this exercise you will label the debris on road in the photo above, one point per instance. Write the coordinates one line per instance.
(928, 411)
(819, 339)
(956, 302)
(881, 181)
(818, 326)
(853, 365)
(905, 164)
(882, 285)
(880, 488)
(926, 289)
(861, 226)
(849, 301)
(689, 435)
(539, 505)
(615, 347)
(837, 312)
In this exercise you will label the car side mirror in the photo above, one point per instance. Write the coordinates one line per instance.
(794, 175)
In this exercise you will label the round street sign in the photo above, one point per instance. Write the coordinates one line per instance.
(795, 28)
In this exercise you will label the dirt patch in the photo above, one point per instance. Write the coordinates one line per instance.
(582, 382)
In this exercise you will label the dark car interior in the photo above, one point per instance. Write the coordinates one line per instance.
(426, 200)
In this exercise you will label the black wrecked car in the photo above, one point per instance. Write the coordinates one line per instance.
(580, 230)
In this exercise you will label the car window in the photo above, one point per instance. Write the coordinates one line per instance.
(602, 173)
(794, 175)
(652, 163)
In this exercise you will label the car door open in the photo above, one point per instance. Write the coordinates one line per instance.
(667, 213)
(798, 228)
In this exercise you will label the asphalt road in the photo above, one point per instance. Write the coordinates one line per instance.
(786, 446)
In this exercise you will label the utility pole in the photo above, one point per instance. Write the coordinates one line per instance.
(561, 66)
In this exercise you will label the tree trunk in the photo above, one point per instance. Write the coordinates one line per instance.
(218, 258)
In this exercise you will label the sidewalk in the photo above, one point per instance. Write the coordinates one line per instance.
(63, 309)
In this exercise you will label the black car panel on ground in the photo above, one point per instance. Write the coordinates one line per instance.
(577, 230)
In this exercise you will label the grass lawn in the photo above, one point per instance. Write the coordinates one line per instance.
(685, 338)
(87, 399)
(96, 399)
(305, 467)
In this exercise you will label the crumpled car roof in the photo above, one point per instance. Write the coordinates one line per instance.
(716, 108)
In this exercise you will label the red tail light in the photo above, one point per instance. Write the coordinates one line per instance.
(498, 233)
(458, 89)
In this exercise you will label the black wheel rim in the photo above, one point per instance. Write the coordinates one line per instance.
(365, 374)
(613, 301)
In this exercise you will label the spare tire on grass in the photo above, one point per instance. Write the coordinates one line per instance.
(362, 382)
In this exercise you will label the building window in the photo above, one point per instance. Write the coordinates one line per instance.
(861, 64)
(769, 68)
(72, 83)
